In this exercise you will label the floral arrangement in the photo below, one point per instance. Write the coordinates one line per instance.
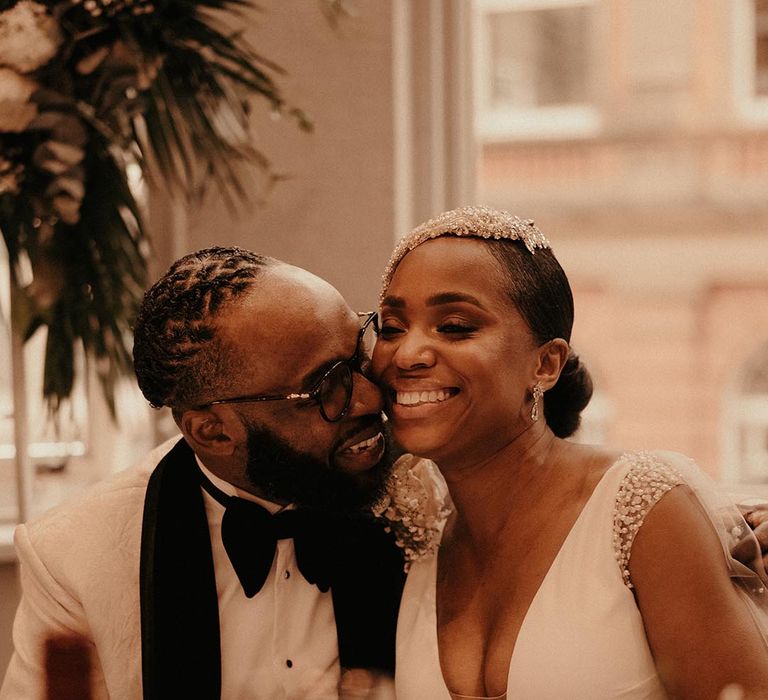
(98, 98)
(414, 507)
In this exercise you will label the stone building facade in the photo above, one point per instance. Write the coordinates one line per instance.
(636, 133)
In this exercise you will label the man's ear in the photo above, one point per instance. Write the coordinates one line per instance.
(210, 433)
(552, 358)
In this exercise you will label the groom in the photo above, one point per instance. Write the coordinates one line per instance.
(237, 561)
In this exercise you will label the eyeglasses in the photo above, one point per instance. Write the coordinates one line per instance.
(333, 391)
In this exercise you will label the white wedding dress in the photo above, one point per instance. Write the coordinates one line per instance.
(582, 637)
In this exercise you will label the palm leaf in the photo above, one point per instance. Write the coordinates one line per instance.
(167, 89)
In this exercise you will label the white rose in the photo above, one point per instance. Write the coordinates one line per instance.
(29, 36)
(431, 486)
(16, 111)
(10, 176)
(415, 506)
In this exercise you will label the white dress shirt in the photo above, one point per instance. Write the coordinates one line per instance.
(282, 642)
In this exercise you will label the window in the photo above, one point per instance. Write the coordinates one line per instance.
(51, 443)
(82, 444)
(761, 48)
(596, 420)
(753, 424)
(750, 45)
(746, 436)
(535, 68)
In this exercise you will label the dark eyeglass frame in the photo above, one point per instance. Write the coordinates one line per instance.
(351, 364)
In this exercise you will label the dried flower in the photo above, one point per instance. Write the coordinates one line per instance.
(10, 176)
(415, 507)
(29, 36)
(16, 110)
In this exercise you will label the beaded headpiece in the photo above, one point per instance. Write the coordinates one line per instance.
(476, 222)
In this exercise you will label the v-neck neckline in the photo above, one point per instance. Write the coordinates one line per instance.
(576, 525)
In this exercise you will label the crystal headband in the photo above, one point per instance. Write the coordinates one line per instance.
(476, 222)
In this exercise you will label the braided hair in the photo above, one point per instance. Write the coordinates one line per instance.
(176, 352)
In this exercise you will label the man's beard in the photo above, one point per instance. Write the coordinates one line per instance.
(283, 474)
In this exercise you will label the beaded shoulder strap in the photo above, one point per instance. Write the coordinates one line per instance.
(646, 481)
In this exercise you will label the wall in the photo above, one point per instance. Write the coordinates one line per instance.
(334, 213)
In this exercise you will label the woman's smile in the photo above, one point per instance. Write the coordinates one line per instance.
(409, 404)
(416, 398)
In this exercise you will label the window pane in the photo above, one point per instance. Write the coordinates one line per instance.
(755, 378)
(539, 58)
(7, 469)
(754, 453)
(761, 47)
(52, 443)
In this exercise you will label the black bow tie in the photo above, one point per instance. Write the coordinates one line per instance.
(250, 534)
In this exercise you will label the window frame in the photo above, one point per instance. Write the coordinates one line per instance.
(742, 408)
(596, 420)
(749, 106)
(22, 400)
(499, 124)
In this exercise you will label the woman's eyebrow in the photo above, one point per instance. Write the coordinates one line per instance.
(453, 297)
(393, 302)
(437, 299)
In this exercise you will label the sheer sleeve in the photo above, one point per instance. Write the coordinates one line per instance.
(649, 477)
(646, 481)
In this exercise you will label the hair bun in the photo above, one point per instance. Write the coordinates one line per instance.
(565, 401)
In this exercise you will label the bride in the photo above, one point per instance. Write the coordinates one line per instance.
(564, 570)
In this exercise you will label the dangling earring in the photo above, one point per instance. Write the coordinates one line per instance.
(538, 392)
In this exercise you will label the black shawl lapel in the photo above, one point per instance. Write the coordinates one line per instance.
(366, 597)
(180, 647)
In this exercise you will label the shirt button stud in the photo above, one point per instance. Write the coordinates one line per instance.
(286, 574)
(289, 663)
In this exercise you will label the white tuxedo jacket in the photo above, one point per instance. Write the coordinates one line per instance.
(79, 568)
(129, 566)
